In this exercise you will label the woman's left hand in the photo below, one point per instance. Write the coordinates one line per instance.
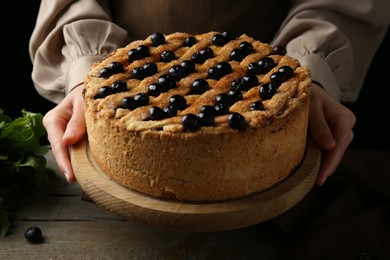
(331, 127)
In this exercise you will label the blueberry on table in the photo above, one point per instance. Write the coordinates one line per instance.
(33, 235)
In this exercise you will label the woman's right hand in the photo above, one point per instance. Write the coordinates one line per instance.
(65, 126)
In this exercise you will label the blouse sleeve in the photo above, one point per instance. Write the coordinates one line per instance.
(68, 37)
(336, 39)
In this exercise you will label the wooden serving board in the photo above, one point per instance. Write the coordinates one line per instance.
(193, 217)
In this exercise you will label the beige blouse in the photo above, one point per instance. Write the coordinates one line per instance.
(336, 39)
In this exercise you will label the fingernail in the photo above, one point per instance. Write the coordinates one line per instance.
(66, 174)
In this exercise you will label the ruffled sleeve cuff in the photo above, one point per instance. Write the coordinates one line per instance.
(78, 71)
(321, 73)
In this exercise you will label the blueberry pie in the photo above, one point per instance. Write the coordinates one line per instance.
(206, 117)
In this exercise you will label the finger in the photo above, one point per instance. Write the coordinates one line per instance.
(319, 128)
(61, 154)
(55, 126)
(343, 135)
(75, 129)
(330, 162)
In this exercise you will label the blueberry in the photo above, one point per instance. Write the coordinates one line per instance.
(236, 121)
(150, 68)
(206, 118)
(229, 35)
(138, 53)
(157, 38)
(104, 92)
(220, 70)
(33, 235)
(214, 73)
(279, 50)
(218, 40)
(223, 98)
(266, 64)
(141, 99)
(177, 72)
(178, 102)
(207, 109)
(170, 111)
(144, 50)
(156, 113)
(190, 122)
(267, 90)
(202, 55)
(245, 83)
(189, 41)
(225, 67)
(240, 85)
(277, 78)
(257, 105)
(235, 95)
(237, 54)
(188, 66)
(105, 73)
(119, 86)
(167, 81)
(116, 67)
(287, 70)
(155, 89)
(252, 80)
(222, 38)
(199, 86)
(254, 68)
(246, 47)
(221, 109)
(138, 73)
(134, 54)
(128, 103)
(113, 68)
(167, 56)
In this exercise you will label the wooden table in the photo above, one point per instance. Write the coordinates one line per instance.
(74, 228)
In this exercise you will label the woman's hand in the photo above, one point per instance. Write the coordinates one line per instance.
(331, 127)
(65, 125)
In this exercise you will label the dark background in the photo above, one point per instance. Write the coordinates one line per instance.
(17, 91)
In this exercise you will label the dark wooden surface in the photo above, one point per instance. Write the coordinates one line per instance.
(74, 228)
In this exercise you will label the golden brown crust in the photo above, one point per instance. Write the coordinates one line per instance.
(159, 158)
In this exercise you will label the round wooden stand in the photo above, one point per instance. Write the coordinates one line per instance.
(193, 217)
